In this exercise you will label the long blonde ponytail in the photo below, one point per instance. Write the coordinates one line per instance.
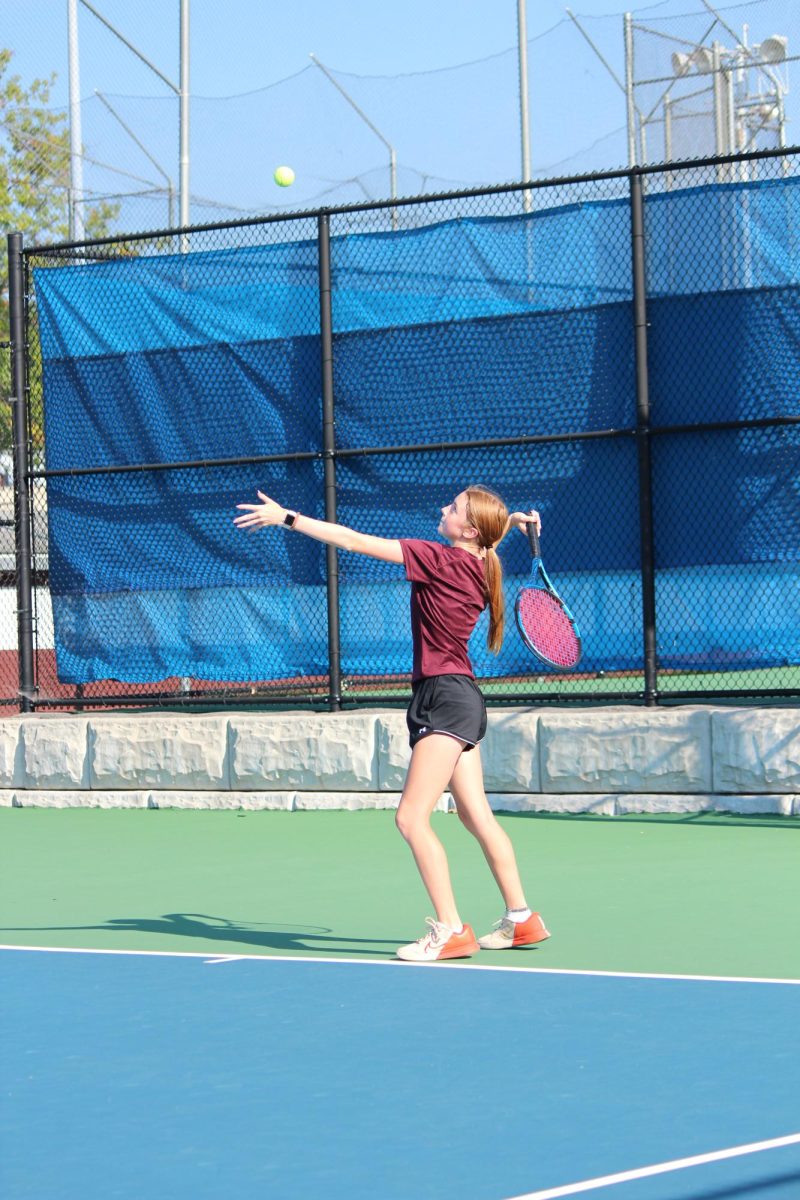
(487, 513)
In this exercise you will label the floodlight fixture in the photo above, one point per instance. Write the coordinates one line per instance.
(700, 60)
(703, 60)
(773, 49)
(736, 81)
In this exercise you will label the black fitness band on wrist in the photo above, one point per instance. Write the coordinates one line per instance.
(290, 518)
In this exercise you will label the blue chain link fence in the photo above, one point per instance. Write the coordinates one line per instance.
(619, 350)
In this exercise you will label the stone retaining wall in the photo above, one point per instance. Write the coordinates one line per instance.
(606, 760)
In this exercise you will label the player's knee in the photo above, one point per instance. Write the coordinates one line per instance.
(476, 815)
(410, 823)
(466, 819)
(404, 822)
(487, 830)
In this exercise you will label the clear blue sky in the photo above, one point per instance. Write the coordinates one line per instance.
(451, 123)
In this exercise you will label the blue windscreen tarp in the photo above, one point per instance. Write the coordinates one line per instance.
(471, 329)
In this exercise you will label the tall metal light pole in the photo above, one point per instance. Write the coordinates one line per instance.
(183, 92)
(740, 112)
(524, 123)
(181, 89)
(75, 205)
(630, 106)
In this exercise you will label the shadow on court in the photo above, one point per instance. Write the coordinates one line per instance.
(285, 939)
(715, 820)
(756, 1187)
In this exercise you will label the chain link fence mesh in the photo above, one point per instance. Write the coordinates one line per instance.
(724, 323)
(555, 288)
(8, 624)
(704, 84)
(476, 339)
(136, 584)
(684, 107)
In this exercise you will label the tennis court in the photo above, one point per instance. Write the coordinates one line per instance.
(208, 1004)
(235, 1024)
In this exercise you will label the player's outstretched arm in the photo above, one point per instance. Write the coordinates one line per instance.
(269, 512)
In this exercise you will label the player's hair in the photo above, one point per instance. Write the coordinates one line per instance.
(487, 513)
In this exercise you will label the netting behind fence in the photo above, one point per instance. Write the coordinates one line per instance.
(457, 343)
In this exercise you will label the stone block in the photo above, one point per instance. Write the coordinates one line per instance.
(54, 752)
(353, 801)
(6, 797)
(10, 752)
(544, 802)
(624, 750)
(249, 801)
(304, 751)
(33, 798)
(634, 802)
(776, 805)
(159, 751)
(350, 801)
(393, 752)
(756, 750)
(510, 752)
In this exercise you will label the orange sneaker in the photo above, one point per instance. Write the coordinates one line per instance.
(440, 942)
(508, 935)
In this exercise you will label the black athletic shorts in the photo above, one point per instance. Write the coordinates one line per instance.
(449, 704)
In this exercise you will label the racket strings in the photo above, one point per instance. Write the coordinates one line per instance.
(547, 627)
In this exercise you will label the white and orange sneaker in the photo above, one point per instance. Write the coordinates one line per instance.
(508, 935)
(438, 943)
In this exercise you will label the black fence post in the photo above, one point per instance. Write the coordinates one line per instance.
(329, 457)
(22, 508)
(647, 554)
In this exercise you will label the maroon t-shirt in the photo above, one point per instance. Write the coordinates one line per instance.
(448, 594)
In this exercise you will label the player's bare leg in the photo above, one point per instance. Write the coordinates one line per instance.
(466, 785)
(518, 927)
(433, 760)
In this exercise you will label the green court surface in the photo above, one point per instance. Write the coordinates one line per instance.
(709, 895)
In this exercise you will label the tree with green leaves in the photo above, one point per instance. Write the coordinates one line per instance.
(34, 194)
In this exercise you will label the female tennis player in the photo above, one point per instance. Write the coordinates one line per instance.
(450, 586)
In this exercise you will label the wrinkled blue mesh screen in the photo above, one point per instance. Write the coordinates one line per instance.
(465, 330)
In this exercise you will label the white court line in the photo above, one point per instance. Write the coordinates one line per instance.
(677, 1164)
(394, 963)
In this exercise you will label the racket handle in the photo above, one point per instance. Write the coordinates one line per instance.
(533, 538)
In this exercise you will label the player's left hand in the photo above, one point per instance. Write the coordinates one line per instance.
(256, 516)
(520, 520)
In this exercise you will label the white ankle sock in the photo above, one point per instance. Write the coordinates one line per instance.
(517, 915)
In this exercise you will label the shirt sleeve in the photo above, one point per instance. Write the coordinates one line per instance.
(421, 560)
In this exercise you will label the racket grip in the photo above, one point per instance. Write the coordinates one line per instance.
(533, 539)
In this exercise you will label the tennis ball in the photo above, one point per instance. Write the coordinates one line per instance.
(284, 176)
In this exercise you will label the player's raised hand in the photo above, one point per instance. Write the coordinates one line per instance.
(520, 520)
(256, 516)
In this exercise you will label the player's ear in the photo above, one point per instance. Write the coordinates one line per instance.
(469, 531)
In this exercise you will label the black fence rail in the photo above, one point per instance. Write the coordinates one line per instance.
(616, 349)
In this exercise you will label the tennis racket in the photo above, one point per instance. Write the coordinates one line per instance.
(547, 626)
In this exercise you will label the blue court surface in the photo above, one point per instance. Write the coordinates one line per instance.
(182, 1076)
